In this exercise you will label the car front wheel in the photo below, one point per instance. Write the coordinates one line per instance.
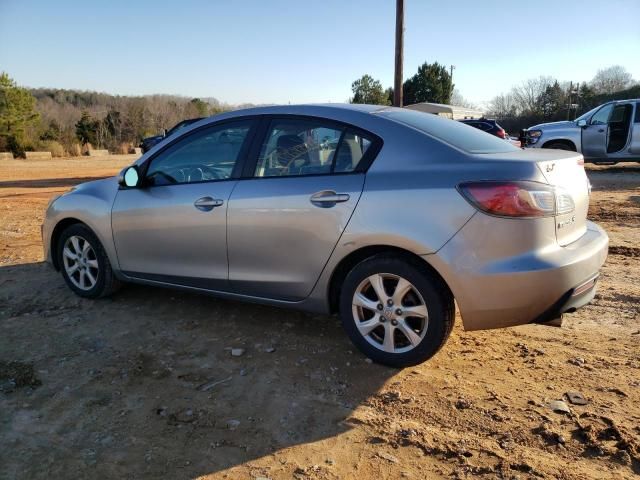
(560, 146)
(396, 311)
(84, 264)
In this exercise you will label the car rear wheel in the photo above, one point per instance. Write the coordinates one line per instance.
(84, 264)
(396, 311)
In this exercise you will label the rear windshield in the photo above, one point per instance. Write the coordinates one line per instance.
(454, 133)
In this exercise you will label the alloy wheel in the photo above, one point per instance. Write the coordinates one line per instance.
(390, 313)
(80, 262)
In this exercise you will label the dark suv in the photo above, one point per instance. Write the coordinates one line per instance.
(149, 142)
(489, 126)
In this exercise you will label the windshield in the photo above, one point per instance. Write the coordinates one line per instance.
(454, 133)
(585, 116)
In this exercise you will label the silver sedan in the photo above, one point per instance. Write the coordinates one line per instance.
(383, 215)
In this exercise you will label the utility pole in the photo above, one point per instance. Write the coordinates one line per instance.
(569, 103)
(397, 84)
(451, 69)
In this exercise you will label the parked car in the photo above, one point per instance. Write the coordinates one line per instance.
(489, 126)
(386, 226)
(149, 142)
(609, 133)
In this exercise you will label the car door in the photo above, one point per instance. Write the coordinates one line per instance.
(173, 227)
(620, 127)
(287, 215)
(634, 147)
(595, 134)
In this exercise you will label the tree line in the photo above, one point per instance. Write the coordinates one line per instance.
(545, 99)
(67, 122)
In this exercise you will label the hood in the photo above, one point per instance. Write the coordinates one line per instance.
(553, 125)
(93, 184)
(104, 189)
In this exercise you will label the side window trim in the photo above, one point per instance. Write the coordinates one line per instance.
(262, 129)
(242, 155)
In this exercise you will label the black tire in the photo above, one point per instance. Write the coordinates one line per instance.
(560, 146)
(437, 298)
(106, 283)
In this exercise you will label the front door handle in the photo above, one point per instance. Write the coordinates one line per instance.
(206, 204)
(328, 198)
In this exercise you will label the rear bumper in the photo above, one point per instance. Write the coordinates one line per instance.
(569, 302)
(537, 286)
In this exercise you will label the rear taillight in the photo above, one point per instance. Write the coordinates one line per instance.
(517, 199)
(501, 133)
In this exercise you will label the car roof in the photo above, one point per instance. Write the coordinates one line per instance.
(293, 109)
(623, 100)
(384, 121)
(487, 120)
(359, 115)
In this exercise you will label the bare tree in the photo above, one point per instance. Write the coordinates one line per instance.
(458, 100)
(526, 96)
(612, 79)
(502, 106)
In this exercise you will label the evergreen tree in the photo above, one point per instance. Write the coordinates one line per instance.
(17, 113)
(432, 83)
(368, 90)
(87, 129)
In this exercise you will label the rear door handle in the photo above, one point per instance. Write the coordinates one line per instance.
(328, 198)
(206, 204)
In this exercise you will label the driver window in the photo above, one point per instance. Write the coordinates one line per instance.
(206, 155)
(601, 117)
(298, 147)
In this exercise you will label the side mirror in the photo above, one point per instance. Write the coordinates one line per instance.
(582, 123)
(129, 177)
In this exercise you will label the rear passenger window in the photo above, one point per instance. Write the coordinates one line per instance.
(309, 147)
(637, 116)
(352, 149)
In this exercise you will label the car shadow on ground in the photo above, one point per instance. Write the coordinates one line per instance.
(144, 384)
(47, 182)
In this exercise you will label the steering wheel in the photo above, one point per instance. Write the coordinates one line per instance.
(292, 161)
(209, 173)
(168, 178)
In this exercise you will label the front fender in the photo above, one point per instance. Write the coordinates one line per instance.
(570, 134)
(90, 204)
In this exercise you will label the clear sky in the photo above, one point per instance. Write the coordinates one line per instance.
(279, 51)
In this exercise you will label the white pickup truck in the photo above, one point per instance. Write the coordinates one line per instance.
(609, 133)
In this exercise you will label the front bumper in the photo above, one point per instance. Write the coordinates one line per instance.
(536, 286)
(46, 243)
(526, 141)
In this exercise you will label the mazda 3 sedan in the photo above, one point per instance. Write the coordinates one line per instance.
(382, 215)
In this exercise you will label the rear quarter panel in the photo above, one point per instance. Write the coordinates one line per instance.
(410, 200)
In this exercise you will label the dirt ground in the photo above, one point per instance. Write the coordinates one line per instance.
(143, 385)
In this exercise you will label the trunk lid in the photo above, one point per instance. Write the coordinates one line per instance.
(567, 173)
